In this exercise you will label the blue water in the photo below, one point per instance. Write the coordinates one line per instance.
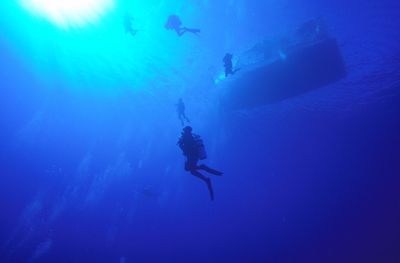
(89, 166)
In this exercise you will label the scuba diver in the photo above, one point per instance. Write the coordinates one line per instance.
(128, 25)
(180, 108)
(228, 65)
(193, 148)
(175, 23)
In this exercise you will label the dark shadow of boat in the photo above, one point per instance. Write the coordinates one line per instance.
(275, 70)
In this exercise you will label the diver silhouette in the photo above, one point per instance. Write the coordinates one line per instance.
(175, 23)
(180, 108)
(128, 25)
(193, 148)
(228, 65)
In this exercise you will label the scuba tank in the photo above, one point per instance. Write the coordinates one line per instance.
(201, 150)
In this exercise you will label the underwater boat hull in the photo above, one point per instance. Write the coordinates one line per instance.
(305, 68)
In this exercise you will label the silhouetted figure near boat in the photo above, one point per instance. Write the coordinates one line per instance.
(175, 23)
(228, 65)
(193, 148)
(128, 26)
(180, 109)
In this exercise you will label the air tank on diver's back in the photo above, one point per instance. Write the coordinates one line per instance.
(201, 149)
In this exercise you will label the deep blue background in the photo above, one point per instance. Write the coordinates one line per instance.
(92, 178)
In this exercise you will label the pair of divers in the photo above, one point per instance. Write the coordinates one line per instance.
(173, 23)
(193, 149)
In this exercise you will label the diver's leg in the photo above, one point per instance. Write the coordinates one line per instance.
(236, 70)
(228, 71)
(193, 30)
(181, 119)
(210, 189)
(184, 116)
(181, 31)
(209, 170)
(206, 180)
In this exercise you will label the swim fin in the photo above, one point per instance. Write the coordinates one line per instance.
(210, 170)
(210, 189)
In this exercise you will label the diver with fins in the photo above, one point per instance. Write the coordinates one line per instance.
(128, 24)
(175, 23)
(180, 109)
(193, 148)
